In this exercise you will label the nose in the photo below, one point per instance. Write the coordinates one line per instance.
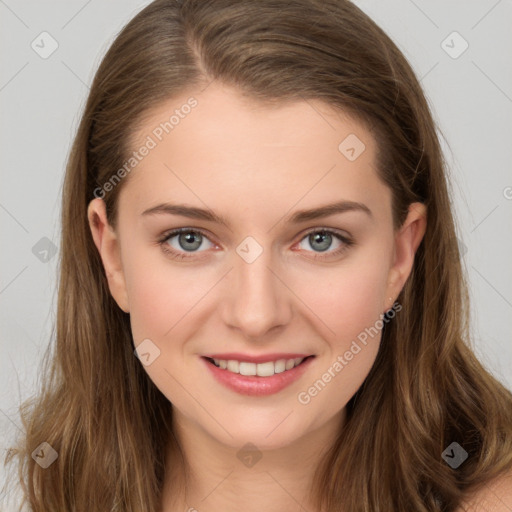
(257, 299)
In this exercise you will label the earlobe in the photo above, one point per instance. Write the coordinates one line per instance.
(407, 241)
(108, 246)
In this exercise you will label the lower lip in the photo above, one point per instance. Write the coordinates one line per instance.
(254, 385)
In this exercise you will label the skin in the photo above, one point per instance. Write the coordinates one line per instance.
(255, 166)
(495, 496)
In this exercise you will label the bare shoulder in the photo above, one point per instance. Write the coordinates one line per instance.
(496, 496)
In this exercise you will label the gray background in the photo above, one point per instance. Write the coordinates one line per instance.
(41, 99)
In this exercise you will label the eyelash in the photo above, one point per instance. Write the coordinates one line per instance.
(347, 242)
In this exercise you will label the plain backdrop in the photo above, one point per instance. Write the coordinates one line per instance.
(461, 51)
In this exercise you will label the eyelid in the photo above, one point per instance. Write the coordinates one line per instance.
(175, 231)
(346, 239)
(171, 233)
(339, 232)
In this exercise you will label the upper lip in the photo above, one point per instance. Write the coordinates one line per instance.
(264, 358)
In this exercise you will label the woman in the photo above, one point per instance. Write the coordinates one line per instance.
(261, 303)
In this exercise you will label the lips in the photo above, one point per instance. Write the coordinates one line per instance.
(261, 384)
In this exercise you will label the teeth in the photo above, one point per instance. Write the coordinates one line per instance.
(233, 366)
(280, 366)
(261, 369)
(247, 368)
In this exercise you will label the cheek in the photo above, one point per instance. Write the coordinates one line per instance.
(163, 299)
(350, 304)
(347, 299)
(160, 291)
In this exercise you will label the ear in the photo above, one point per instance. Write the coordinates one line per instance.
(107, 243)
(407, 240)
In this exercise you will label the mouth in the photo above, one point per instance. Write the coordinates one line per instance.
(251, 369)
(257, 379)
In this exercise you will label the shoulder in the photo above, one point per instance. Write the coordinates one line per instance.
(496, 496)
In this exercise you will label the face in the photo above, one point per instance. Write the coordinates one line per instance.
(269, 282)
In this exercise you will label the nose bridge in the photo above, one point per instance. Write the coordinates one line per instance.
(257, 298)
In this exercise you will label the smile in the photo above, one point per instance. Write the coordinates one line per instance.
(257, 379)
(260, 369)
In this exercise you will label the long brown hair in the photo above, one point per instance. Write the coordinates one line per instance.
(99, 410)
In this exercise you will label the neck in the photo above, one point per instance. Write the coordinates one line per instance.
(213, 476)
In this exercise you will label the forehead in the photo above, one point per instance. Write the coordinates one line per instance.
(225, 120)
(219, 143)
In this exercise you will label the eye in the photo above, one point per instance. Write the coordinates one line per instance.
(187, 240)
(321, 239)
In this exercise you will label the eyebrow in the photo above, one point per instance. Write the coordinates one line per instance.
(193, 212)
